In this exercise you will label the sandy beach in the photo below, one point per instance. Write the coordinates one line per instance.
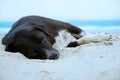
(91, 61)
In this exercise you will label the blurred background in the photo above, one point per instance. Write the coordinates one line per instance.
(90, 15)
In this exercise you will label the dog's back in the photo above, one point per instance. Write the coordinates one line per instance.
(50, 25)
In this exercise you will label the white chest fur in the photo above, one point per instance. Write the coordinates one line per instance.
(63, 39)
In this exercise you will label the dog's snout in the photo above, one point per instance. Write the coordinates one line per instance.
(54, 55)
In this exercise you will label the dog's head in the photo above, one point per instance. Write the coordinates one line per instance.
(33, 42)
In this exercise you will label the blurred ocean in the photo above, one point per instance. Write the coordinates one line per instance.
(108, 26)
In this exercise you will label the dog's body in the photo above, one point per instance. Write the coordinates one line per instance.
(38, 37)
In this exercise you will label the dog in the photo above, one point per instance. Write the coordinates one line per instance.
(39, 37)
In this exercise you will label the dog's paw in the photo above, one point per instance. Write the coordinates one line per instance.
(103, 37)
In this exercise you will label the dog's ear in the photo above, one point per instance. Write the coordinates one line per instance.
(42, 28)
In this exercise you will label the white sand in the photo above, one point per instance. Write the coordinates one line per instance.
(92, 61)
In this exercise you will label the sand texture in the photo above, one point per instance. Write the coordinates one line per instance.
(91, 61)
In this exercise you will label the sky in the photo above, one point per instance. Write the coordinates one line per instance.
(11, 10)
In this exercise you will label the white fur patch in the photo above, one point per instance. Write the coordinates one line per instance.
(63, 39)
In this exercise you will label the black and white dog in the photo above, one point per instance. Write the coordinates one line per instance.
(39, 37)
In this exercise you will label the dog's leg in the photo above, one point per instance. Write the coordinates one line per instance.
(98, 37)
(75, 31)
(76, 41)
(87, 38)
(78, 36)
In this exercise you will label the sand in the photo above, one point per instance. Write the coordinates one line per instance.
(91, 61)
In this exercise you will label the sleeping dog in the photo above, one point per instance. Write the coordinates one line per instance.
(39, 37)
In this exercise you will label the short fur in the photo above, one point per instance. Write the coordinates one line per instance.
(34, 36)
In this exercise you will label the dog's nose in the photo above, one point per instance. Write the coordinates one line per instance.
(54, 55)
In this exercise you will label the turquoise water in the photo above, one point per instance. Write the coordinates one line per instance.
(105, 23)
(6, 24)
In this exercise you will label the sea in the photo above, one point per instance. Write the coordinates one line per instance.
(107, 26)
